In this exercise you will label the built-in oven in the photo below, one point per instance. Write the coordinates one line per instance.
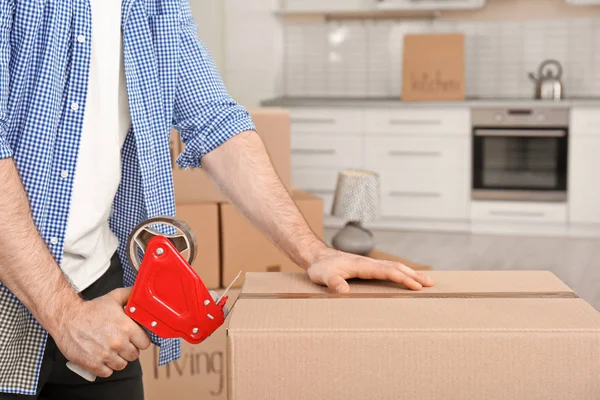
(520, 154)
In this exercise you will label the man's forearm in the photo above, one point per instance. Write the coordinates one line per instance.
(243, 171)
(26, 266)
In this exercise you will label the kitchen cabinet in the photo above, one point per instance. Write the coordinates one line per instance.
(421, 122)
(421, 154)
(519, 212)
(324, 142)
(584, 180)
(326, 5)
(584, 164)
(424, 195)
(408, 5)
(583, 2)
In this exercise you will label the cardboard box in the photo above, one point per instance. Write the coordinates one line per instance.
(475, 335)
(434, 67)
(246, 249)
(200, 374)
(273, 126)
(203, 219)
(381, 255)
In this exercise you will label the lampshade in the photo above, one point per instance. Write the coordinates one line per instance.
(357, 196)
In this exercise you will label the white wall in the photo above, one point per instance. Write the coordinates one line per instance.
(253, 50)
(245, 38)
(209, 16)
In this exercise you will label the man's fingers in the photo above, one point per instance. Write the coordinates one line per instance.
(382, 271)
(422, 279)
(116, 363)
(140, 339)
(121, 295)
(338, 284)
(103, 371)
(130, 353)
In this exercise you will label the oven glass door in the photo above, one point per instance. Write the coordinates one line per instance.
(520, 161)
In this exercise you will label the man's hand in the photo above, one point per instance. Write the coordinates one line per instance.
(98, 336)
(333, 268)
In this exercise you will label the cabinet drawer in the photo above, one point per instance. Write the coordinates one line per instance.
(413, 121)
(585, 122)
(519, 212)
(425, 195)
(326, 151)
(319, 183)
(423, 153)
(310, 120)
(584, 187)
(329, 5)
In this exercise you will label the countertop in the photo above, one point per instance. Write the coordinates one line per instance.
(310, 102)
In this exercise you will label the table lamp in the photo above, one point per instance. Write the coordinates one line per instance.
(356, 200)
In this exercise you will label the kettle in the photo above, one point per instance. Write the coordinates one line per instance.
(548, 83)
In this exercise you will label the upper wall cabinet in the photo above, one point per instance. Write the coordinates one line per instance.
(583, 2)
(408, 5)
(326, 5)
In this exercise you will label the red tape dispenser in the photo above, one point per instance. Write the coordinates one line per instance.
(169, 298)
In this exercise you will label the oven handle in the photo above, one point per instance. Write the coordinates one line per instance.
(556, 133)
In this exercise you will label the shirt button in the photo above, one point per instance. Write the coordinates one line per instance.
(53, 240)
(64, 174)
(74, 106)
(81, 39)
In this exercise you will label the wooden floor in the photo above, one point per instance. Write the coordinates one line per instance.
(575, 261)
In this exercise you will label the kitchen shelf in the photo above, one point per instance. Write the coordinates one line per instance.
(583, 2)
(372, 14)
(432, 5)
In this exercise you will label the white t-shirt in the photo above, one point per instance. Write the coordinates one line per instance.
(89, 242)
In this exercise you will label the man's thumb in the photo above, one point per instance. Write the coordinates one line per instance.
(337, 284)
(121, 295)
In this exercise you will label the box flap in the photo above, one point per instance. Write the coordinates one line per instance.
(447, 284)
(469, 300)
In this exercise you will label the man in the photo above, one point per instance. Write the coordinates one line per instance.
(89, 90)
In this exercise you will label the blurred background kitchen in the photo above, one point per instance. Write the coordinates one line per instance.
(481, 118)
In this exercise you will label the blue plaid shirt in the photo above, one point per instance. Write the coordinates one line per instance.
(171, 82)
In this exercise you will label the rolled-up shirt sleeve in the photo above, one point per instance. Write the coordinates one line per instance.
(204, 113)
(6, 16)
(5, 150)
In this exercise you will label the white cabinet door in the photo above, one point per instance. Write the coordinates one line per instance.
(318, 150)
(329, 121)
(585, 122)
(429, 4)
(584, 180)
(419, 121)
(514, 211)
(425, 195)
(410, 154)
(583, 2)
(326, 5)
